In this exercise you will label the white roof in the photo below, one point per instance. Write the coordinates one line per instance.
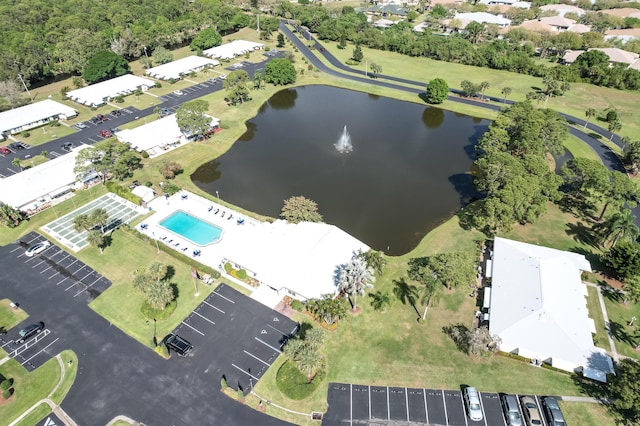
(38, 182)
(97, 94)
(25, 115)
(232, 49)
(145, 193)
(309, 252)
(483, 17)
(561, 9)
(161, 132)
(538, 305)
(177, 69)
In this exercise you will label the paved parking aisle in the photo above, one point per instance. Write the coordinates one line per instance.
(492, 409)
(242, 336)
(435, 407)
(417, 405)
(35, 351)
(456, 413)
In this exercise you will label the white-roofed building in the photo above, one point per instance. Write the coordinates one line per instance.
(561, 9)
(33, 115)
(616, 56)
(231, 50)
(539, 310)
(145, 193)
(483, 18)
(310, 253)
(39, 185)
(158, 136)
(177, 69)
(99, 93)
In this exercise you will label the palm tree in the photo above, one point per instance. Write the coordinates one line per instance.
(82, 222)
(141, 281)
(483, 86)
(620, 225)
(309, 360)
(292, 347)
(160, 294)
(10, 216)
(314, 337)
(590, 112)
(375, 260)
(157, 271)
(96, 239)
(429, 293)
(631, 291)
(614, 126)
(355, 277)
(16, 163)
(99, 217)
(506, 91)
(380, 300)
(406, 293)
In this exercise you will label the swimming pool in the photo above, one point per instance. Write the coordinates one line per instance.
(193, 229)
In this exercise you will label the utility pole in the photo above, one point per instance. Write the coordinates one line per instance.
(25, 86)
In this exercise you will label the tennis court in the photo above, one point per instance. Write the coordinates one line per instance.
(120, 211)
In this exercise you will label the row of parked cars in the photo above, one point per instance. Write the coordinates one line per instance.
(13, 147)
(530, 414)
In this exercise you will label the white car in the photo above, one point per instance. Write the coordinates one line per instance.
(178, 92)
(37, 248)
(473, 404)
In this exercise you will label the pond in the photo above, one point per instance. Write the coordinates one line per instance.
(407, 170)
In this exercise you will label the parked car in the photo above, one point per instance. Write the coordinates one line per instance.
(114, 130)
(179, 345)
(68, 146)
(472, 397)
(37, 248)
(30, 331)
(511, 410)
(531, 411)
(16, 146)
(223, 76)
(212, 80)
(163, 112)
(116, 113)
(134, 184)
(102, 118)
(178, 92)
(95, 120)
(105, 133)
(552, 410)
(4, 150)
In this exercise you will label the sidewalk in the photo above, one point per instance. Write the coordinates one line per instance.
(605, 316)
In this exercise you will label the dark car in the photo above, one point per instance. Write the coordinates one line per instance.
(102, 117)
(116, 113)
(16, 145)
(552, 410)
(95, 120)
(4, 150)
(163, 112)
(67, 146)
(30, 331)
(114, 130)
(179, 345)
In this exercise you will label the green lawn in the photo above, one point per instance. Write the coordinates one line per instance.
(586, 414)
(577, 148)
(10, 317)
(595, 313)
(31, 387)
(619, 316)
(36, 415)
(46, 133)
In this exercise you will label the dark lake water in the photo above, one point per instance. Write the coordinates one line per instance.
(407, 173)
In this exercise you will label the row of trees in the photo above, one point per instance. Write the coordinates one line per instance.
(88, 222)
(108, 157)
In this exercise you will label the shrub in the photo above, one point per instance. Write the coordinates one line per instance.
(170, 169)
(223, 383)
(437, 91)
(162, 350)
(159, 314)
(144, 154)
(294, 384)
(148, 183)
(266, 49)
(240, 394)
(242, 274)
(228, 268)
(64, 91)
(297, 305)
(25, 134)
(351, 62)
(6, 384)
(6, 394)
(118, 99)
(123, 192)
(310, 67)
(158, 85)
(170, 187)
(54, 123)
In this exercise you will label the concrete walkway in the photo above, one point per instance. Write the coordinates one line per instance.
(605, 316)
(57, 410)
(586, 399)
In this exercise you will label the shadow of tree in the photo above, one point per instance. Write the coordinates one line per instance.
(406, 293)
(582, 233)
(619, 332)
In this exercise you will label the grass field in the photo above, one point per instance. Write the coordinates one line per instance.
(36, 415)
(584, 414)
(595, 313)
(10, 317)
(620, 315)
(30, 387)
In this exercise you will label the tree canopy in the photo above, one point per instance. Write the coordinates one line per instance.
(236, 85)
(437, 91)
(192, 119)
(103, 66)
(206, 39)
(107, 157)
(300, 209)
(280, 71)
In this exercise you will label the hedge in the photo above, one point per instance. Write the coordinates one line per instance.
(123, 192)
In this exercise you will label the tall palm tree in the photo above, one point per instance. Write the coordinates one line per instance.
(614, 127)
(309, 360)
(506, 91)
(429, 293)
(355, 277)
(483, 86)
(82, 223)
(99, 217)
(160, 294)
(379, 301)
(96, 239)
(619, 226)
(590, 112)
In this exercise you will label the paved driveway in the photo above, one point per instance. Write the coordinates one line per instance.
(116, 374)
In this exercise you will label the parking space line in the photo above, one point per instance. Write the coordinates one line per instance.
(388, 408)
(16, 249)
(39, 352)
(350, 403)
(206, 303)
(444, 403)
(279, 331)
(253, 356)
(484, 414)
(426, 411)
(544, 419)
(53, 275)
(45, 270)
(247, 373)
(465, 411)
(26, 346)
(406, 400)
(226, 298)
(63, 280)
(72, 285)
(205, 318)
(37, 264)
(268, 345)
(194, 329)
(87, 287)
(369, 393)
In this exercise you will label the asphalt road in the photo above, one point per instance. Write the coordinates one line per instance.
(116, 374)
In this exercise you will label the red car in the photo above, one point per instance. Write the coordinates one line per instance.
(4, 150)
(105, 133)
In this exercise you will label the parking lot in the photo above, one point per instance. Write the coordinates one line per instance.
(235, 336)
(57, 269)
(351, 404)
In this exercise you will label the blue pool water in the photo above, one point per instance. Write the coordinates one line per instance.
(195, 230)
